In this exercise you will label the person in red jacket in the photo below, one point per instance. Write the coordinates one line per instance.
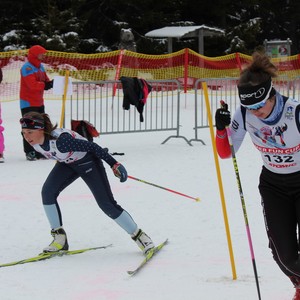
(34, 81)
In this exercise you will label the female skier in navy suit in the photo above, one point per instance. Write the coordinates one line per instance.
(76, 157)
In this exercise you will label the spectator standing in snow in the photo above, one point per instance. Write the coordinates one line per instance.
(1, 129)
(273, 123)
(76, 157)
(34, 81)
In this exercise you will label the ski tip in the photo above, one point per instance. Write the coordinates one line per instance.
(148, 256)
(107, 246)
(166, 241)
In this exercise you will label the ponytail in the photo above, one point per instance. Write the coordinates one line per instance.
(48, 127)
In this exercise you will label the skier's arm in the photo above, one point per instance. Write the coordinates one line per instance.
(237, 131)
(222, 144)
(222, 119)
(67, 143)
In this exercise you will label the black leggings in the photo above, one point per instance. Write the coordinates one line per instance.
(281, 205)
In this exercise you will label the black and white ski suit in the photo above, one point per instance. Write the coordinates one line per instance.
(277, 138)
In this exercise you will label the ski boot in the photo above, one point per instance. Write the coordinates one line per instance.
(143, 241)
(59, 242)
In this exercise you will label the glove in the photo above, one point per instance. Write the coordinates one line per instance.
(48, 85)
(222, 116)
(120, 171)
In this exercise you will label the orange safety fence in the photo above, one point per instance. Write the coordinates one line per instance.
(185, 65)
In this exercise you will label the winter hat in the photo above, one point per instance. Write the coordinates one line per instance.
(254, 94)
(36, 50)
(33, 53)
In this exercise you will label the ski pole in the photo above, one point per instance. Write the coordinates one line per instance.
(167, 189)
(244, 208)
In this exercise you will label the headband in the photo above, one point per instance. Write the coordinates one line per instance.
(250, 95)
(31, 123)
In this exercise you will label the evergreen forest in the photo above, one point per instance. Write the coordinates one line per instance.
(91, 26)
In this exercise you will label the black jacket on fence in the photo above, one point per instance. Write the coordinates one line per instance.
(135, 92)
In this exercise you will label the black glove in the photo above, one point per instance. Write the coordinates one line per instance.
(222, 116)
(48, 85)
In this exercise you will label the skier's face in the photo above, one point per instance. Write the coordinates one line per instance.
(33, 136)
(264, 111)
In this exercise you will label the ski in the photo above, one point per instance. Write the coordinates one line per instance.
(48, 255)
(148, 257)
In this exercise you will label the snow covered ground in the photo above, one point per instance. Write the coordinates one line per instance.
(196, 262)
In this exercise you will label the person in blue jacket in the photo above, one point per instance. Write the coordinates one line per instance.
(76, 157)
(34, 81)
